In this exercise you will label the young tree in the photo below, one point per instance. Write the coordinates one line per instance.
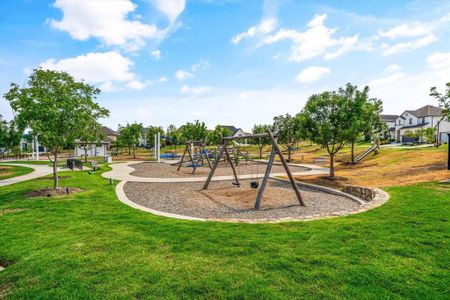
(430, 135)
(55, 107)
(196, 131)
(444, 103)
(151, 131)
(10, 136)
(261, 142)
(91, 136)
(325, 120)
(215, 136)
(289, 129)
(171, 133)
(364, 114)
(129, 136)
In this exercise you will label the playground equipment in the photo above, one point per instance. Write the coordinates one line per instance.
(197, 154)
(374, 148)
(275, 150)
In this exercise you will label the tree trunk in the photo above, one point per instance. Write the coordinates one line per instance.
(129, 150)
(260, 151)
(353, 152)
(55, 171)
(331, 165)
(134, 153)
(85, 154)
(289, 154)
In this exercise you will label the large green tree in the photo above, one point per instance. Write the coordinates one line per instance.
(55, 106)
(10, 136)
(326, 120)
(444, 103)
(261, 142)
(215, 136)
(289, 131)
(129, 136)
(364, 114)
(151, 131)
(196, 131)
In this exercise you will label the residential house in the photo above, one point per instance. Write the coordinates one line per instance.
(234, 131)
(425, 117)
(100, 148)
(390, 122)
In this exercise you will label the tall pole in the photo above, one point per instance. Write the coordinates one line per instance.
(37, 148)
(154, 146)
(448, 144)
(159, 146)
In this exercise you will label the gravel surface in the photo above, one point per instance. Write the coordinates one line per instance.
(154, 170)
(225, 201)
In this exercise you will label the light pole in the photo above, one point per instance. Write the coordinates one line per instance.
(448, 144)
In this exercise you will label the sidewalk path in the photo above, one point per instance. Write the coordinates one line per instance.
(121, 171)
(39, 171)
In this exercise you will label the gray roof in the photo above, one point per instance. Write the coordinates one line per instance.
(108, 131)
(388, 118)
(230, 128)
(426, 111)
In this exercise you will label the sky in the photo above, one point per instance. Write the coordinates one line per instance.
(161, 62)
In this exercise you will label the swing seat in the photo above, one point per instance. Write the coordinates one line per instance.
(254, 184)
(194, 165)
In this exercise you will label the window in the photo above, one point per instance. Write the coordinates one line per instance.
(423, 120)
(410, 121)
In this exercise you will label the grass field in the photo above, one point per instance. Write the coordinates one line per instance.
(13, 171)
(91, 246)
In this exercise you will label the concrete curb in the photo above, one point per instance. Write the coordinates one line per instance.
(381, 197)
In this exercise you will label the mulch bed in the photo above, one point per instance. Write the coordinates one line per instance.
(224, 201)
(49, 192)
(154, 170)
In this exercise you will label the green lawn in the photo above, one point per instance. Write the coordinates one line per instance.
(89, 245)
(13, 171)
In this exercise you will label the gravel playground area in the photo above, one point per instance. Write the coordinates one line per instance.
(153, 170)
(225, 201)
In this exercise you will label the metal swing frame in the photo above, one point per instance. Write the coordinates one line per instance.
(275, 150)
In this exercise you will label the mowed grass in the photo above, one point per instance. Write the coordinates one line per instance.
(91, 246)
(13, 171)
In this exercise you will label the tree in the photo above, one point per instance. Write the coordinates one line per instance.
(215, 136)
(171, 133)
(364, 114)
(151, 131)
(196, 131)
(55, 107)
(10, 136)
(129, 136)
(261, 142)
(410, 134)
(289, 128)
(430, 135)
(91, 136)
(444, 103)
(325, 120)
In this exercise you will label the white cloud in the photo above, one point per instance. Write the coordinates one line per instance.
(156, 54)
(105, 68)
(163, 79)
(170, 8)
(264, 27)
(439, 60)
(408, 46)
(393, 68)
(199, 90)
(407, 30)
(316, 40)
(400, 91)
(106, 20)
(182, 75)
(311, 74)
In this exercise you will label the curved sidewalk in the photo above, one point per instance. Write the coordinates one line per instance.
(121, 171)
(39, 171)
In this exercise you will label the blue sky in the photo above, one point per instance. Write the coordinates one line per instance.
(164, 62)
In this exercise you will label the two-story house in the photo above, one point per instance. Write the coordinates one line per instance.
(425, 117)
(390, 122)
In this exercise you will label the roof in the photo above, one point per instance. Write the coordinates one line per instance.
(426, 111)
(415, 126)
(108, 131)
(388, 118)
(230, 128)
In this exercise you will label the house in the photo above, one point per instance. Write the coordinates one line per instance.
(234, 131)
(390, 122)
(100, 148)
(110, 134)
(427, 116)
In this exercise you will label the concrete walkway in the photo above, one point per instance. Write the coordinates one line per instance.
(39, 171)
(121, 171)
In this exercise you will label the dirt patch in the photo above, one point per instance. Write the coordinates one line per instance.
(5, 170)
(5, 211)
(5, 289)
(52, 192)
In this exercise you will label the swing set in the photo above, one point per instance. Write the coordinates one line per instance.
(273, 136)
(197, 152)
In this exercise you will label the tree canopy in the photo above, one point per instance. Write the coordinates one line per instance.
(129, 136)
(215, 136)
(261, 142)
(56, 107)
(443, 99)
(196, 131)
